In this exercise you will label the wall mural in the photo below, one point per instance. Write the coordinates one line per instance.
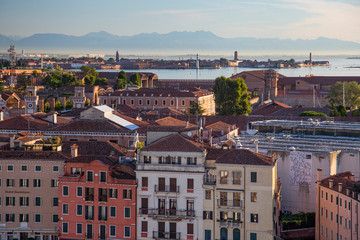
(300, 168)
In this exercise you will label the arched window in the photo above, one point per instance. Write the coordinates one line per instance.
(236, 234)
(223, 234)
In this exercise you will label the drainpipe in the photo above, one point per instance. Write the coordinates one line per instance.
(244, 203)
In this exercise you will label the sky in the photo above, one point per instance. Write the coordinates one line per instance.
(284, 19)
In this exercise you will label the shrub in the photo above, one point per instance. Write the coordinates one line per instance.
(312, 113)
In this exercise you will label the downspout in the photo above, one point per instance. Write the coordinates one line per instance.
(244, 203)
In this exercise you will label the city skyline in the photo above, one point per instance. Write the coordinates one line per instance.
(284, 19)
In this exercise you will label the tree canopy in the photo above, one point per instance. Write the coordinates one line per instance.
(352, 94)
(231, 96)
(135, 79)
(195, 109)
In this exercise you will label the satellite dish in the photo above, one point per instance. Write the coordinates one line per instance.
(189, 134)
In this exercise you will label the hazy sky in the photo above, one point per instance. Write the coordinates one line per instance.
(306, 19)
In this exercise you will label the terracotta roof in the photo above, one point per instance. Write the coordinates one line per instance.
(170, 121)
(94, 148)
(122, 171)
(170, 111)
(5, 96)
(294, 93)
(159, 128)
(343, 178)
(133, 120)
(71, 88)
(89, 158)
(239, 156)
(174, 143)
(25, 122)
(219, 126)
(269, 109)
(43, 155)
(42, 116)
(259, 74)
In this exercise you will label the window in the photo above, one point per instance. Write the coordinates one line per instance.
(89, 212)
(223, 177)
(65, 208)
(10, 217)
(207, 215)
(208, 194)
(79, 210)
(144, 226)
(236, 177)
(164, 102)
(55, 201)
(236, 216)
(24, 183)
(253, 236)
(127, 193)
(147, 102)
(236, 199)
(223, 198)
(112, 211)
(191, 161)
(79, 228)
(10, 182)
(253, 196)
(182, 102)
(112, 231)
(37, 182)
(89, 194)
(54, 183)
(65, 191)
(144, 182)
(24, 168)
(89, 176)
(126, 231)
(190, 208)
(24, 217)
(126, 212)
(55, 218)
(112, 193)
(254, 218)
(65, 227)
(102, 176)
(10, 201)
(253, 177)
(37, 201)
(55, 168)
(172, 102)
(140, 102)
(190, 184)
(79, 191)
(10, 168)
(156, 102)
(37, 218)
(102, 194)
(102, 213)
(37, 168)
(147, 159)
(190, 228)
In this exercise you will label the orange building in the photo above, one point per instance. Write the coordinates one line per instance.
(337, 207)
(97, 198)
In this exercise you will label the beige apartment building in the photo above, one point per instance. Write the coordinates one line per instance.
(29, 194)
(241, 195)
(337, 207)
(157, 98)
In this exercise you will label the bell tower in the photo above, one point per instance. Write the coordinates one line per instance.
(79, 98)
(271, 78)
(31, 100)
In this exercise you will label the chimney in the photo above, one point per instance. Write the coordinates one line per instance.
(256, 146)
(74, 150)
(348, 192)
(319, 174)
(353, 194)
(352, 177)
(54, 117)
(331, 183)
(12, 143)
(1, 116)
(340, 187)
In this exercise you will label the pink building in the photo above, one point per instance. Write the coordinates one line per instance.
(337, 207)
(97, 198)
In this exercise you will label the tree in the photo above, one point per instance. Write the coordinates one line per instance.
(135, 79)
(312, 113)
(47, 107)
(231, 96)
(101, 81)
(58, 106)
(22, 82)
(352, 94)
(90, 80)
(196, 109)
(122, 75)
(89, 71)
(120, 83)
(1, 85)
(68, 105)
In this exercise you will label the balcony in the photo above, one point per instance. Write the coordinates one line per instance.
(229, 223)
(89, 197)
(230, 203)
(166, 235)
(167, 188)
(210, 180)
(167, 213)
(102, 198)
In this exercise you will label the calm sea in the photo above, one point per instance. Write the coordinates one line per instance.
(338, 67)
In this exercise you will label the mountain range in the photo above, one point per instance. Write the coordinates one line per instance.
(174, 41)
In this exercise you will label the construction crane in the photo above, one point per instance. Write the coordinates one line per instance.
(12, 58)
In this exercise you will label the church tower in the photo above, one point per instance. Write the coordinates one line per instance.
(271, 78)
(31, 100)
(79, 98)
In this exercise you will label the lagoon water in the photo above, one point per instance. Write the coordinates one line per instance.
(338, 67)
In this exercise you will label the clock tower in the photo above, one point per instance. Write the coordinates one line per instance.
(31, 100)
(79, 98)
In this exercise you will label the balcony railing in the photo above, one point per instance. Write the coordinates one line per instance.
(229, 223)
(167, 188)
(159, 212)
(210, 180)
(230, 203)
(89, 197)
(166, 235)
(102, 198)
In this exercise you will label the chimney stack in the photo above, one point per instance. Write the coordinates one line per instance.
(348, 192)
(1, 116)
(319, 174)
(340, 187)
(54, 117)
(12, 142)
(74, 150)
(331, 183)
